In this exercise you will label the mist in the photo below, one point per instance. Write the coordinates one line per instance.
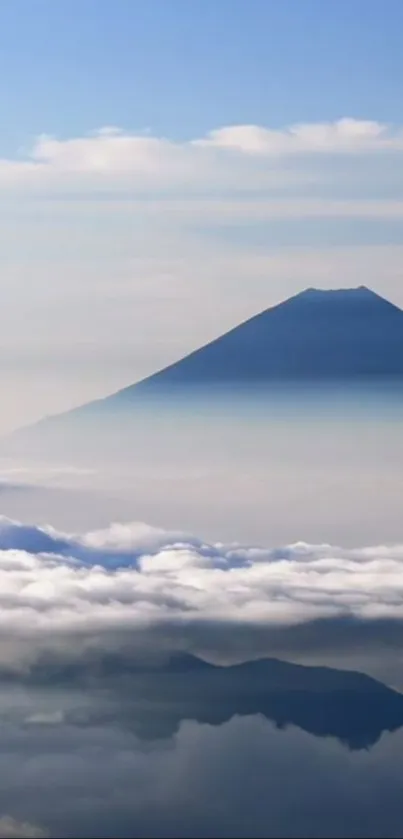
(287, 466)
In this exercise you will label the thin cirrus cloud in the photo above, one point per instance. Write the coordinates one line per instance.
(135, 585)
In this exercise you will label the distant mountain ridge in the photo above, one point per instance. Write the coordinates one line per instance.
(155, 697)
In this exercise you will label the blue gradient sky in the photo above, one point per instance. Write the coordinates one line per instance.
(257, 149)
(181, 68)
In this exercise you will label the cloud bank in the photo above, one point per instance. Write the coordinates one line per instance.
(132, 590)
(138, 586)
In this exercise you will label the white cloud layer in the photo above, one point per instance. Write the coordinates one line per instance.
(136, 579)
(224, 157)
(340, 136)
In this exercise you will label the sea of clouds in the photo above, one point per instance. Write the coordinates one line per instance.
(70, 763)
(135, 587)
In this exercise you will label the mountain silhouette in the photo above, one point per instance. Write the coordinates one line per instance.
(322, 337)
(324, 702)
(153, 699)
(316, 335)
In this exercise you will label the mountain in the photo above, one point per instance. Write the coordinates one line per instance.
(153, 698)
(342, 334)
(345, 335)
(316, 335)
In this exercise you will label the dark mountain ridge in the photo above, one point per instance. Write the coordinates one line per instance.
(155, 696)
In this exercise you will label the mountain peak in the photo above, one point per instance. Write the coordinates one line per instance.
(361, 293)
(361, 290)
(359, 299)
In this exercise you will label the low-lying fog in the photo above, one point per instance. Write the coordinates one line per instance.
(325, 467)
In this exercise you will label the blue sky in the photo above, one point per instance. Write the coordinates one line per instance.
(180, 67)
(164, 157)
